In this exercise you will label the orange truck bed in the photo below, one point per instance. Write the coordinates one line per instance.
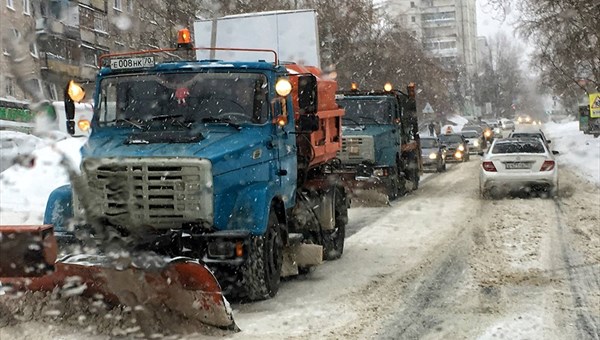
(326, 141)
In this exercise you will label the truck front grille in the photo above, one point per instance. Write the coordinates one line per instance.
(156, 192)
(357, 149)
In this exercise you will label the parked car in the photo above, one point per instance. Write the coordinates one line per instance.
(475, 139)
(518, 165)
(457, 148)
(433, 154)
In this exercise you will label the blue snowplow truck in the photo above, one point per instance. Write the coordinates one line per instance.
(380, 145)
(228, 163)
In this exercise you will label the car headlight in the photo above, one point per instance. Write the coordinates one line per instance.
(458, 155)
(461, 147)
(378, 172)
(433, 155)
(487, 133)
(476, 143)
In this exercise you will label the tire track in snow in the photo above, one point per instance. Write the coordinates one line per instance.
(583, 280)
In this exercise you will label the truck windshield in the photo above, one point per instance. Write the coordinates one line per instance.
(367, 111)
(148, 100)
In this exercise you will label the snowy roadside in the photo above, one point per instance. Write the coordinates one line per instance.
(24, 191)
(578, 151)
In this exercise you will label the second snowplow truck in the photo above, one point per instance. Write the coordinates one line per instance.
(380, 146)
(226, 164)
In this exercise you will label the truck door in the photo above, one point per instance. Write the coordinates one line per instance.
(285, 146)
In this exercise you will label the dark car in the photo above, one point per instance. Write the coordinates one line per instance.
(434, 155)
(457, 148)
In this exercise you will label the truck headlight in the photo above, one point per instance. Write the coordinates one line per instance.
(433, 155)
(476, 143)
(461, 148)
(458, 155)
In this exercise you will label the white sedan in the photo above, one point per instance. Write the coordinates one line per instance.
(518, 165)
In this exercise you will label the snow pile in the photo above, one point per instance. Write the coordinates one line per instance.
(25, 190)
(578, 151)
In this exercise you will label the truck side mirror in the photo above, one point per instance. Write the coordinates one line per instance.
(73, 92)
(307, 94)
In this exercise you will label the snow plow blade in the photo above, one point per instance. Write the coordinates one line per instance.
(368, 193)
(183, 285)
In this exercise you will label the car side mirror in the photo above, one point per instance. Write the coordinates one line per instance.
(554, 152)
(466, 142)
(548, 141)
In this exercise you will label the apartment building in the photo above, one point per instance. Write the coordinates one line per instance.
(446, 28)
(76, 34)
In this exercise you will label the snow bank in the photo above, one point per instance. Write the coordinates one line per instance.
(24, 191)
(578, 151)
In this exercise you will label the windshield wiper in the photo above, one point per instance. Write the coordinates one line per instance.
(226, 121)
(174, 121)
(371, 118)
(352, 120)
(119, 120)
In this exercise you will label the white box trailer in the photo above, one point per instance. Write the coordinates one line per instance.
(292, 34)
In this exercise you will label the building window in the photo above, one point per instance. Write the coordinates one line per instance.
(52, 91)
(412, 4)
(17, 35)
(413, 19)
(118, 5)
(90, 57)
(100, 22)
(9, 87)
(10, 4)
(33, 49)
(26, 7)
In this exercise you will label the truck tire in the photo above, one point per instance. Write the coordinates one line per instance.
(394, 190)
(333, 240)
(261, 273)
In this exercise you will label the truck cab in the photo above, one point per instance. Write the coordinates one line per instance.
(200, 159)
(375, 127)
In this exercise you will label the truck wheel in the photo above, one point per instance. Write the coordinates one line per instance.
(415, 179)
(333, 240)
(394, 189)
(261, 273)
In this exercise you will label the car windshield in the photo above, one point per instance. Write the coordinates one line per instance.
(450, 138)
(429, 143)
(152, 99)
(472, 128)
(521, 146)
(527, 134)
(366, 111)
(470, 134)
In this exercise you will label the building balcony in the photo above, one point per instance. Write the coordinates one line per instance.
(450, 23)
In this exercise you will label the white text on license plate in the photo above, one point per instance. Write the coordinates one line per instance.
(126, 63)
(518, 165)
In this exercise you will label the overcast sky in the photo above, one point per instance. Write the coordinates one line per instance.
(489, 22)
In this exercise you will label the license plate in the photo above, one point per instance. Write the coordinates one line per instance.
(129, 63)
(518, 165)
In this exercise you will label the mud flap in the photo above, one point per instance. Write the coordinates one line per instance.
(183, 285)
